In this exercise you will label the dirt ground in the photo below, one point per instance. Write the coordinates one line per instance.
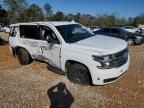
(34, 86)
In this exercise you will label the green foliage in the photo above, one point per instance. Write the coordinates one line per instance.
(139, 20)
(3, 15)
(59, 16)
(69, 17)
(14, 8)
(15, 5)
(77, 17)
(48, 9)
(33, 13)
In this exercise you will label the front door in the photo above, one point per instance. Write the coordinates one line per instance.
(49, 46)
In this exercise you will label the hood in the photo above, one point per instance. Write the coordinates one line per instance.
(101, 44)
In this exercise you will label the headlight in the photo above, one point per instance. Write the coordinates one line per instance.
(112, 60)
(101, 58)
(105, 61)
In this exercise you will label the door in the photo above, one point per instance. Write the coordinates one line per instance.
(49, 46)
(14, 32)
(116, 33)
(106, 32)
(29, 38)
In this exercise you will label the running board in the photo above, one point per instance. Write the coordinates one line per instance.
(56, 70)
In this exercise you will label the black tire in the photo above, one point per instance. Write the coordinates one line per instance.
(23, 56)
(79, 74)
(131, 41)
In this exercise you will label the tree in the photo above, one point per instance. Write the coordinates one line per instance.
(15, 4)
(69, 17)
(34, 13)
(59, 16)
(48, 9)
(77, 17)
(3, 15)
(138, 20)
(14, 8)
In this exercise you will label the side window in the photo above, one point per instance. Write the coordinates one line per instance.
(106, 30)
(47, 34)
(115, 31)
(29, 31)
(13, 31)
(99, 31)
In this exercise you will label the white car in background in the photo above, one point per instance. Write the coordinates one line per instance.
(140, 30)
(130, 29)
(6, 29)
(141, 27)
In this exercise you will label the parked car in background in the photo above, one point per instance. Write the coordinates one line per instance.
(130, 29)
(1, 28)
(69, 48)
(6, 28)
(141, 26)
(118, 32)
(140, 31)
(93, 28)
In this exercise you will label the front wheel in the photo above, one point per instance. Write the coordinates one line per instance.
(79, 74)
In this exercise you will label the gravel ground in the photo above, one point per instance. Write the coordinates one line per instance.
(34, 86)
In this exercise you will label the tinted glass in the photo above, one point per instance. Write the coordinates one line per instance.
(29, 31)
(47, 33)
(106, 30)
(115, 31)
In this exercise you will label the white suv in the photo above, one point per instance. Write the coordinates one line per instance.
(70, 48)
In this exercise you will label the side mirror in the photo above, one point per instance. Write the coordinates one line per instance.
(53, 41)
(50, 40)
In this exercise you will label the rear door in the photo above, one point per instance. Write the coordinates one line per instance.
(14, 32)
(29, 38)
(117, 33)
(104, 31)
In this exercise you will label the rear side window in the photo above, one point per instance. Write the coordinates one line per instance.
(115, 31)
(106, 30)
(29, 31)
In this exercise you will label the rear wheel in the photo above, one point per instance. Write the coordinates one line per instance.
(79, 74)
(23, 56)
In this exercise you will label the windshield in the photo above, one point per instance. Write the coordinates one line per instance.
(74, 32)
